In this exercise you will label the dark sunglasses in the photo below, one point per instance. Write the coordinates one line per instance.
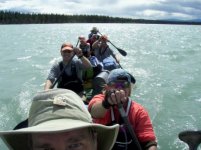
(119, 84)
(67, 51)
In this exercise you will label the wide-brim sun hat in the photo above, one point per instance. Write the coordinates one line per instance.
(58, 110)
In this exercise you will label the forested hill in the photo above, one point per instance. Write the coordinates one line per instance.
(7, 17)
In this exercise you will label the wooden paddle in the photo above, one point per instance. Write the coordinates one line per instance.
(192, 138)
(121, 51)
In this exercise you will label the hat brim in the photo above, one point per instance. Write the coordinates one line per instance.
(67, 49)
(18, 139)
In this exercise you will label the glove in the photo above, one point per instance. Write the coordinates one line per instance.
(105, 102)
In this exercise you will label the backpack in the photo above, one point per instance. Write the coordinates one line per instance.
(109, 63)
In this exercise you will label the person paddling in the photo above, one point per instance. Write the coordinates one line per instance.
(136, 130)
(93, 31)
(71, 77)
(84, 46)
(104, 54)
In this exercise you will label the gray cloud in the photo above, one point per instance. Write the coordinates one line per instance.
(141, 9)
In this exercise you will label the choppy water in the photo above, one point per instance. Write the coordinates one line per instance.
(165, 59)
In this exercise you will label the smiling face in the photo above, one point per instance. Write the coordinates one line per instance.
(66, 51)
(66, 55)
(82, 139)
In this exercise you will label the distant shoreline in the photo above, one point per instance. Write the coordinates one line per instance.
(7, 17)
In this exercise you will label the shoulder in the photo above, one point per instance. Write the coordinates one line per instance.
(138, 109)
(56, 64)
(75, 62)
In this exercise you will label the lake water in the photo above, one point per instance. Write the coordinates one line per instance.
(165, 60)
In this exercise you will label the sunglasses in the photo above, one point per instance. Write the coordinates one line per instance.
(119, 84)
(67, 51)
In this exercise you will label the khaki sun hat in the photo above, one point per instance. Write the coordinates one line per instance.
(58, 110)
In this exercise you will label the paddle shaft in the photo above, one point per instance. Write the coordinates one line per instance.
(129, 127)
(121, 51)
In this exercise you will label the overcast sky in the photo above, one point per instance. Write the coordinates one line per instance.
(137, 9)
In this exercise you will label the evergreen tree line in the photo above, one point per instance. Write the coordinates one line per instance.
(26, 18)
(9, 17)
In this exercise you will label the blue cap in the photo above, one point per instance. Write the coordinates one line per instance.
(120, 74)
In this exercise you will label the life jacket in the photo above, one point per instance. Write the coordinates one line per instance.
(71, 82)
(124, 139)
(85, 49)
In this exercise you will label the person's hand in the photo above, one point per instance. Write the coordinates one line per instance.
(114, 97)
(104, 38)
(78, 52)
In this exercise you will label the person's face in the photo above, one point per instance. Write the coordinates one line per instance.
(83, 41)
(81, 139)
(66, 54)
(120, 85)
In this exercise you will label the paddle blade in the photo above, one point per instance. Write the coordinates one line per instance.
(192, 138)
(122, 52)
(23, 124)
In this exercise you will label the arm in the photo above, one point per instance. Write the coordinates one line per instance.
(53, 74)
(48, 85)
(99, 105)
(88, 50)
(96, 44)
(96, 108)
(86, 63)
